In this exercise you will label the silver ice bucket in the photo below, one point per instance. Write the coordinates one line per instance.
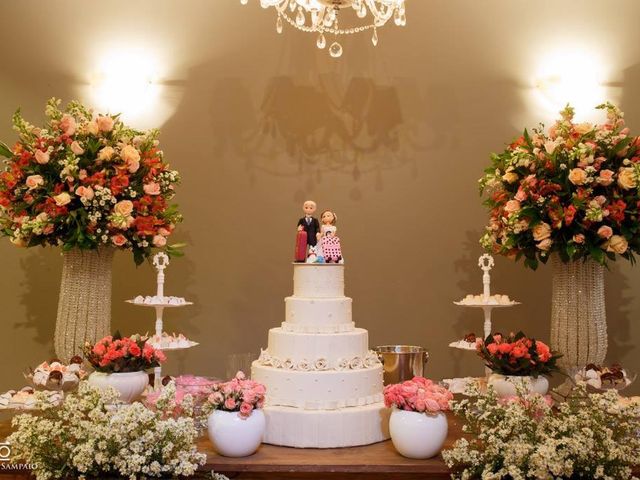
(402, 362)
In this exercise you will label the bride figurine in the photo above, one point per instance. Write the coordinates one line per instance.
(329, 241)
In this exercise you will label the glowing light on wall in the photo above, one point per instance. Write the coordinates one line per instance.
(572, 76)
(126, 81)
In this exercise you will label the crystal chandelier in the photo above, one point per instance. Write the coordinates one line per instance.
(321, 17)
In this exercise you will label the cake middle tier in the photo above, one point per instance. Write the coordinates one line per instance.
(318, 315)
(320, 390)
(334, 350)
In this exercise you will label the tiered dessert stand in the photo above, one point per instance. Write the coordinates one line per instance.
(487, 303)
(159, 303)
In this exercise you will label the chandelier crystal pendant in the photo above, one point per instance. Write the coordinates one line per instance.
(321, 17)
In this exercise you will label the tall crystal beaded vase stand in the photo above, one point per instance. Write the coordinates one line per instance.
(84, 306)
(578, 317)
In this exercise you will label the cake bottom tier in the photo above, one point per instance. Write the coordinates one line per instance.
(346, 427)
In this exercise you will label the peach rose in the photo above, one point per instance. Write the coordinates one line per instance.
(512, 206)
(510, 177)
(76, 148)
(85, 192)
(105, 123)
(545, 244)
(151, 188)
(34, 181)
(606, 177)
(82, 174)
(159, 241)
(583, 128)
(626, 178)
(577, 176)
(106, 153)
(119, 240)
(131, 157)
(605, 232)
(42, 157)
(579, 238)
(164, 232)
(617, 244)
(541, 231)
(124, 207)
(68, 124)
(92, 127)
(63, 199)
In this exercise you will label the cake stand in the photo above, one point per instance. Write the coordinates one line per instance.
(487, 303)
(160, 302)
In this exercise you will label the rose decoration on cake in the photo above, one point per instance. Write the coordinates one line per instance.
(86, 181)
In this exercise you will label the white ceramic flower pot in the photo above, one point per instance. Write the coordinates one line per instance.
(506, 385)
(235, 436)
(418, 435)
(129, 384)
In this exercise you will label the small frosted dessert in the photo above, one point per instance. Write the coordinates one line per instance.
(604, 378)
(28, 398)
(469, 342)
(169, 342)
(159, 300)
(491, 300)
(55, 375)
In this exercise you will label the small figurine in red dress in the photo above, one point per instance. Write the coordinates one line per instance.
(330, 243)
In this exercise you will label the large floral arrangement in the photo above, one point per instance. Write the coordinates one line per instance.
(516, 354)
(88, 437)
(418, 395)
(589, 436)
(117, 354)
(573, 189)
(237, 395)
(86, 181)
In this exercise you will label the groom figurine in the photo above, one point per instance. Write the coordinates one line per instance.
(311, 226)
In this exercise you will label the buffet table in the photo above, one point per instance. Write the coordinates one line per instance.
(378, 461)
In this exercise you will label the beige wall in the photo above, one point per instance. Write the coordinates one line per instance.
(392, 138)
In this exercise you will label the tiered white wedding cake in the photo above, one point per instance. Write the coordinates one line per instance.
(324, 385)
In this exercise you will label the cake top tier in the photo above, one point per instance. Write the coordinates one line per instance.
(318, 280)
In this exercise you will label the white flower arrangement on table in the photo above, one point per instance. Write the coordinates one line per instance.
(91, 435)
(525, 437)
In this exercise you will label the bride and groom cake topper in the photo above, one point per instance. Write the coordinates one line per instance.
(317, 241)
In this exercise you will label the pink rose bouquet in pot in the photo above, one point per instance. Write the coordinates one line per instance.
(573, 189)
(418, 424)
(238, 395)
(86, 181)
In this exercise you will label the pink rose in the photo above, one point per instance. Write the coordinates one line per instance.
(124, 207)
(605, 232)
(512, 206)
(82, 174)
(229, 403)
(105, 123)
(545, 244)
(76, 148)
(432, 405)
(246, 409)
(151, 188)
(119, 240)
(605, 178)
(164, 232)
(541, 231)
(42, 157)
(34, 181)
(579, 238)
(68, 124)
(159, 241)
(216, 398)
(521, 195)
(85, 192)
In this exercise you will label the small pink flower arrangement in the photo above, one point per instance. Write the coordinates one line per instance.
(418, 395)
(517, 355)
(117, 354)
(238, 395)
